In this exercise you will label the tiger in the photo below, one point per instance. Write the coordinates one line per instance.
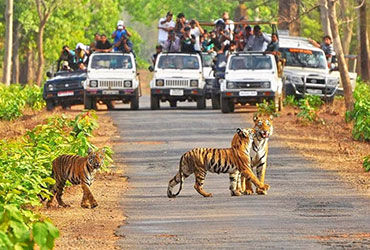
(77, 170)
(258, 154)
(232, 160)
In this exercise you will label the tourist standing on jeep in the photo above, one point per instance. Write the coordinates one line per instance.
(260, 39)
(124, 45)
(196, 31)
(173, 43)
(180, 25)
(164, 26)
(326, 46)
(67, 55)
(187, 41)
(119, 32)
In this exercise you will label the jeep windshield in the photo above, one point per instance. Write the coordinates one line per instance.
(178, 62)
(111, 61)
(250, 62)
(304, 58)
(207, 59)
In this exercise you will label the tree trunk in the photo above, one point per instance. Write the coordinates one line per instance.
(30, 72)
(16, 44)
(347, 26)
(324, 18)
(8, 42)
(289, 16)
(343, 69)
(240, 11)
(364, 43)
(40, 53)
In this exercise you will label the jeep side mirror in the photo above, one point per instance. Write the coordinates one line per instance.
(48, 74)
(150, 68)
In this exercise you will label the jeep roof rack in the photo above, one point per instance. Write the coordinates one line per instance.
(273, 24)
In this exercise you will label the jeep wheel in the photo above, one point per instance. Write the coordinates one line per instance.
(154, 102)
(50, 105)
(173, 104)
(110, 105)
(201, 102)
(90, 102)
(288, 90)
(227, 105)
(215, 101)
(134, 103)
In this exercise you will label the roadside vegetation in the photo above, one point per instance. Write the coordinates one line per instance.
(14, 99)
(26, 168)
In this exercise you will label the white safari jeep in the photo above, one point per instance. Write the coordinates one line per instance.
(111, 77)
(178, 77)
(306, 69)
(250, 78)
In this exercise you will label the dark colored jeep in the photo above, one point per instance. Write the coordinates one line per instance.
(64, 88)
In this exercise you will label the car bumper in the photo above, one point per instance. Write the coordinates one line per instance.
(65, 96)
(250, 96)
(187, 93)
(319, 90)
(110, 94)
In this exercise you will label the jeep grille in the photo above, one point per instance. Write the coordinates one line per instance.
(110, 84)
(177, 83)
(247, 85)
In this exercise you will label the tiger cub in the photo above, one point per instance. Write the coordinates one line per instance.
(229, 160)
(258, 154)
(77, 170)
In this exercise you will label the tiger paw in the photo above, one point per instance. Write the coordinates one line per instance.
(248, 192)
(94, 205)
(261, 191)
(235, 193)
(84, 205)
(64, 205)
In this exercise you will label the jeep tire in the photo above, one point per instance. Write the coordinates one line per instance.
(154, 102)
(134, 103)
(227, 105)
(215, 101)
(50, 105)
(89, 102)
(201, 102)
(173, 104)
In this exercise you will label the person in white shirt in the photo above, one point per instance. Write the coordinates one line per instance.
(260, 39)
(197, 31)
(164, 26)
(229, 24)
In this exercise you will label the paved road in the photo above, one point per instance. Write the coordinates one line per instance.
(306, 208)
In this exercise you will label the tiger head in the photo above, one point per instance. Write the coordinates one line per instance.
(243, 138)
(95, 159)
(263, 126)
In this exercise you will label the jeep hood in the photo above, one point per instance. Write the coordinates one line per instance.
(111, 74)
(298, 71)
(249, 75)
(186, 74)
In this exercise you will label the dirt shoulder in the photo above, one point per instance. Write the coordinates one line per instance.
(330, 145)
(82, 228)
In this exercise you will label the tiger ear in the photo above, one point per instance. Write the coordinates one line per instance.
(271, 117)
(89, 151)
(255, 117)
(238, 130)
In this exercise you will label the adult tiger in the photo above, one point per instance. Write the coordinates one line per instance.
(232, 160)
(77, 170)
(258, 154)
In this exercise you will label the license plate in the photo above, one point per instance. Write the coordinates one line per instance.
(110, 92)
(65, 93)
(177, 92)
(248, 93)
(314, 91)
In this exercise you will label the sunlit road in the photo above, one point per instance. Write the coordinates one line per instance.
(306, 208)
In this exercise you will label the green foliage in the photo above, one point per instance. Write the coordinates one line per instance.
(366, 163)
(361, 112)
(266, 108)
(25, 174)
(290, 100)
(309, 107)
(15, 98)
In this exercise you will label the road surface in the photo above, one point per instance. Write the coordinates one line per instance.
(306, 208)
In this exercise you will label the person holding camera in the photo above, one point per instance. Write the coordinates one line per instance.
(173, 43)
(67, 55)
(164, 26)
(188, 41)
(124, 45)
(119, 32)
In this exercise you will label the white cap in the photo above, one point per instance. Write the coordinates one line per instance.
(81, 46)
(120, 23)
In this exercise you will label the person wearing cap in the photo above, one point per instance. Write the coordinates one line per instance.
(119, 32)
(187, 41)
(228, 24)
(65, 67)
(82, 53)
(66, 55)
(158, 50)
(196, 31)
(260, 39)
(173, 42)
(164, 26)
(103, 45)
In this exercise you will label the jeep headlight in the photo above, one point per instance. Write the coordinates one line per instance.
(94, 83)
(194, 83)
(127, 84)
(333, 81)
(50, 87)
(230, 85)
(265, 85)
(82, 83)
(159, 82)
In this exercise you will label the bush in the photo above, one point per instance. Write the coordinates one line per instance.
(290, 100)
(366, 163)
(15, 98)
(266, 108)
(309, 107)
(25, 174)
(361, 112)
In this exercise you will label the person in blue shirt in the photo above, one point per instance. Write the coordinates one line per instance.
(119, 32)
